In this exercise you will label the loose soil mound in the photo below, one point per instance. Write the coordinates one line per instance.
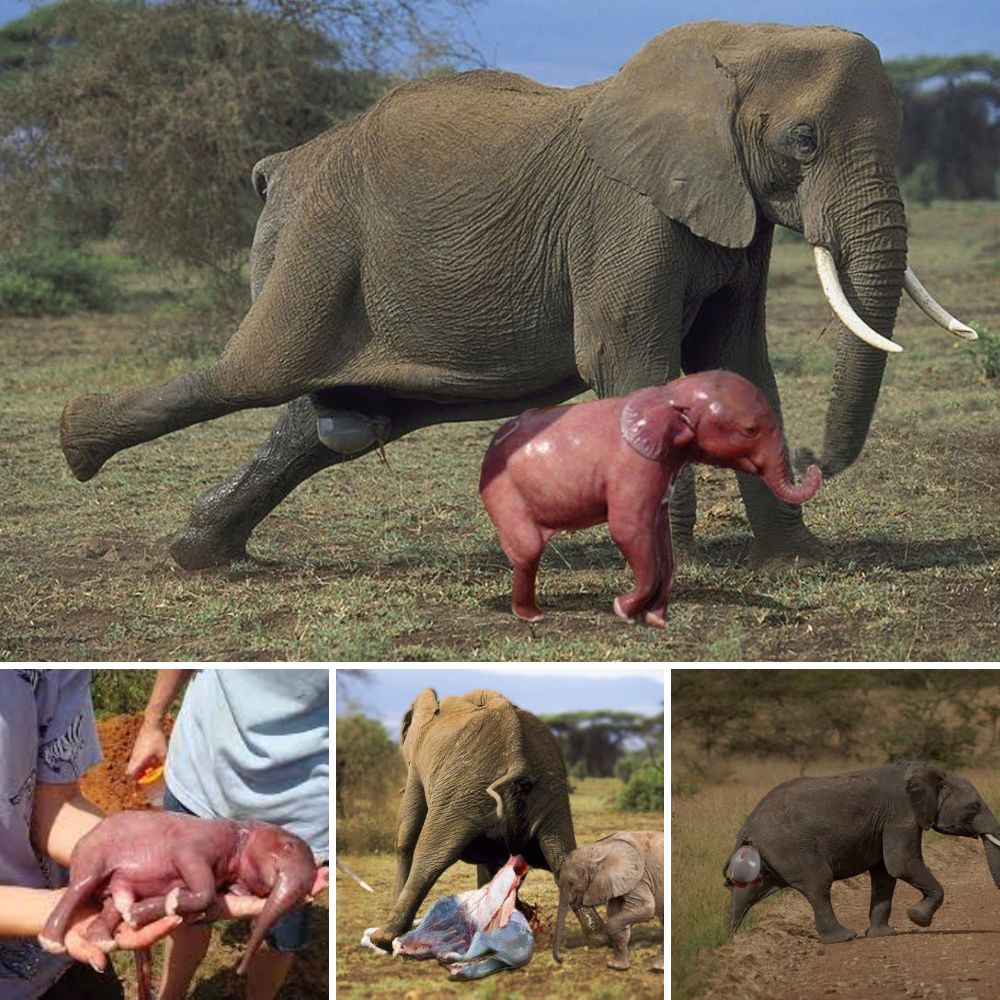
(107, 785)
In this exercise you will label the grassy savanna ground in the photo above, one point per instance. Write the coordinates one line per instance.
(704, 827)
(368, 561)
(361, 972)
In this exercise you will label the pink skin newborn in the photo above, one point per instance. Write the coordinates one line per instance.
(143, 865)
(562, 468)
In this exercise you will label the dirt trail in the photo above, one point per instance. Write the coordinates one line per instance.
(957, 958)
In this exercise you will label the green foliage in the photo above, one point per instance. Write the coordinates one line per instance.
(920, 186)
(949, 138)
(56, 280)
(987, 352)
(145, 119)
(118, 692)
(644, 790)
(593, 742)
(370, 771)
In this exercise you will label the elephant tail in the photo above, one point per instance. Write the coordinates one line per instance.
(517, 773)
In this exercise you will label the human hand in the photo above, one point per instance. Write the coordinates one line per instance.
(233, 906)
(150, 748)
(89, 941)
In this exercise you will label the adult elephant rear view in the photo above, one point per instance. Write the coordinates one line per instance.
(485, 780)
(480, 243)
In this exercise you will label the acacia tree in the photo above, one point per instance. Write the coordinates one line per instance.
(147, 117)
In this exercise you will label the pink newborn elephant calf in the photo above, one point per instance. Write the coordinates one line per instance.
(568, 467)
(143, 865)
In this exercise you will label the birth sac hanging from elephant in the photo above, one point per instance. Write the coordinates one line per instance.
(479, 244)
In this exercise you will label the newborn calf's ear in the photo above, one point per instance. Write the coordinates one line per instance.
(654, 425)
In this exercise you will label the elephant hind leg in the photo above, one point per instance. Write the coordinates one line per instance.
(817, 891)
(883, 886)
(286, 345)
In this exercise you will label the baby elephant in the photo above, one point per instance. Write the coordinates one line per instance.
(143, 865)
(625, 871)
(809, 832)
(568, 467)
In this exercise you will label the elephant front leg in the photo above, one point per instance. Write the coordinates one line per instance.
(919, 876)
(883, 886)
(656, 613)
(619, 931)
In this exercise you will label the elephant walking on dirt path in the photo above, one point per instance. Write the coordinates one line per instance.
(811, 832)
(478, 244)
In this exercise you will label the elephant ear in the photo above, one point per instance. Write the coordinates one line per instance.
(424, 707)
(923, 784)
(617, 871)
(664, 127)
(653, 424)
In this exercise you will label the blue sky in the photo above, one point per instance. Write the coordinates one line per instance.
(574, 41)
(538, 688)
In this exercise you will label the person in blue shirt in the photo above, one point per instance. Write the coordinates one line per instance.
(48, 739)
(247, 744)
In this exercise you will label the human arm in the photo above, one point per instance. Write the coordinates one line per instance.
(151, 742)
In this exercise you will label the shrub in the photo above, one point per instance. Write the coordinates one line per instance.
(987, 353)
(54, 280)
(644, 790)
(920, 186)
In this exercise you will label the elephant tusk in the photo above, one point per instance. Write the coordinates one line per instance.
(993, 840)
(934, 309)
(828, 278)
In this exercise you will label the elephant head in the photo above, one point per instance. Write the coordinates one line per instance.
(951, 805)
(730, 128)
(720, 418)
(593, 874)
(279, 865)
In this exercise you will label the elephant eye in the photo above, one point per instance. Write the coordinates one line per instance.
(804, 140)
(751, 431)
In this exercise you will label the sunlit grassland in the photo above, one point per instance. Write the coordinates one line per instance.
(399, 561)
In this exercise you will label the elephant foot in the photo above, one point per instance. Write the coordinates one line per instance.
(804, 550)
(919, 916)
(655, 617)
(883, 930)
(527, 612)
(382, 938)
(837, 935)
(687, 552)
(84, 449)
(191, 549)
(620, 964)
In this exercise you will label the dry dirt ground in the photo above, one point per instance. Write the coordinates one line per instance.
(216, 979)
(957, 958)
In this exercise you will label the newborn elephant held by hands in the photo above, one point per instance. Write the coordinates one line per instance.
(485, 780)
(616, 460)
(143, 865)
(811, 832)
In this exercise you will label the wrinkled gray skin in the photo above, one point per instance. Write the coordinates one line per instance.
(811, 832)
(479, 244)
(625, 871)
(485, 780)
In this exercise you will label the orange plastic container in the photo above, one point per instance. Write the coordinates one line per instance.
(152, 785)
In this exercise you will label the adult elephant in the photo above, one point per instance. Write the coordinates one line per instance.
(811, 832)
(477, 244)
(485, 780)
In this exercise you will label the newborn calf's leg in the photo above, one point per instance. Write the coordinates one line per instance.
(102, 931)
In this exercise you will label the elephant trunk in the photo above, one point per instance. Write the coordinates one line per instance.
(988, 829)
(870, 265)
(560, 924)
(776, 475)
(290, 888)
